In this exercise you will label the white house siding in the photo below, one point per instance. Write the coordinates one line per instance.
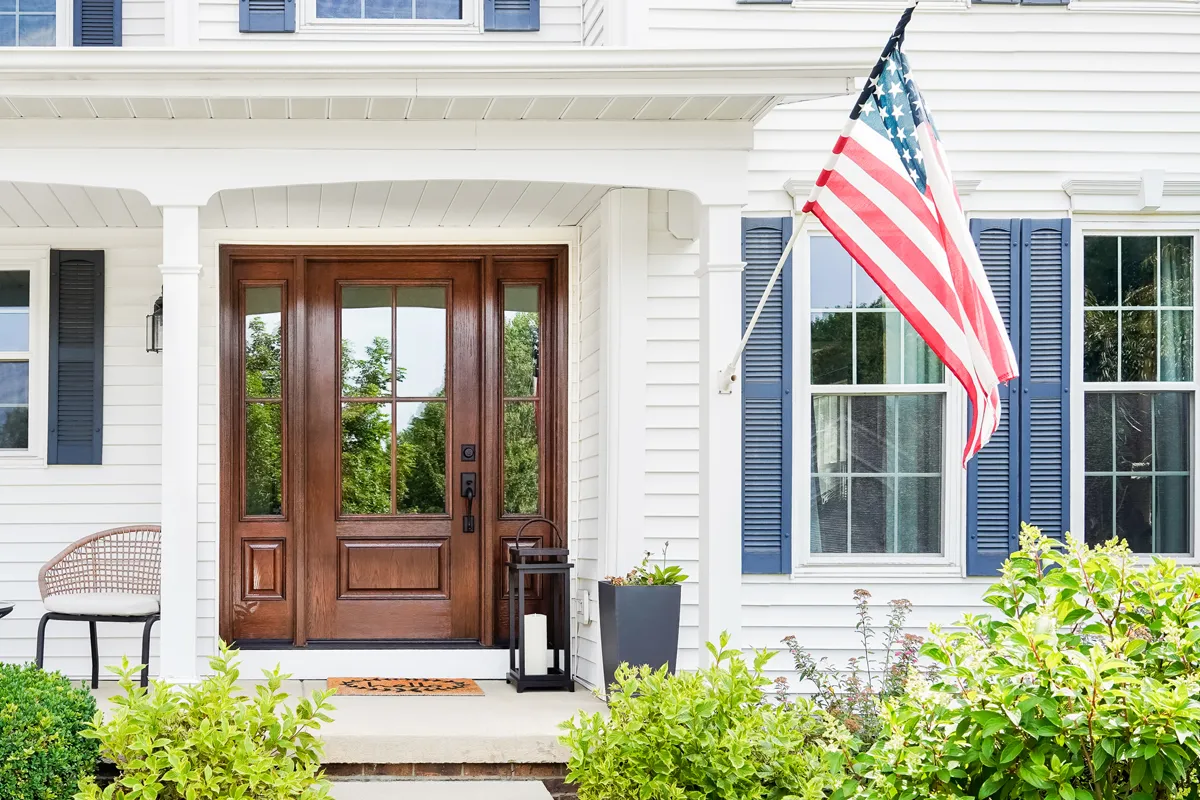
(561, 24)
(43, 509)
(585, 439)
(142, 23)
(1024, 99)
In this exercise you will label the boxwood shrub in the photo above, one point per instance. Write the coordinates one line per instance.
(42, 754)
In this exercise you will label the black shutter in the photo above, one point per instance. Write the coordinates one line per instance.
(992, 492)
(512, 15)
(98, 23)
(76, 397)
(767, 402)
(267, 16)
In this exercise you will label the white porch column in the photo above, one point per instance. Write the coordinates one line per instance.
(720, 275)
(624, 227)
(180, 448)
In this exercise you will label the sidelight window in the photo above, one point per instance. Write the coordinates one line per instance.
(522, 400)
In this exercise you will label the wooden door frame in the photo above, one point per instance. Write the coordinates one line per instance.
(230, 402)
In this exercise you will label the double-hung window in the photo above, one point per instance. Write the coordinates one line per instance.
(878, 401)
(22, 349)
(1140, 390)
(27, 23)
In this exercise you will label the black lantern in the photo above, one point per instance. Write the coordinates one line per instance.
(154, 328)
(530, 636)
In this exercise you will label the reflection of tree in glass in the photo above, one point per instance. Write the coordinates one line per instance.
(520, 418)
(14, 432)
(264, 432)
(421, 462)
(366, 430)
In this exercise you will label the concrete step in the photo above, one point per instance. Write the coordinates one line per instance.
(439, 790)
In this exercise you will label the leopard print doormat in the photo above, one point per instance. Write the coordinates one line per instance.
(405, 686)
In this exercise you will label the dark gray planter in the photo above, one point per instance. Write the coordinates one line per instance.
(638, 625)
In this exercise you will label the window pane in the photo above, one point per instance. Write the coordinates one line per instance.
(1098, 509)
(1100, 346)
(1175, 347)
(921, 365)
(264, 341)
(872, 523)
(1172, 439)
(1139, 346)
(8, 30)
(35, 30)
(14, 382)
(40, 6)
(832, 348)
(339, 9)
(828, 525)
(1100, 270)
(830, 432)
(421, 458)
(366, 341)
(867, 293)
(1176, 270)
(520, 458)
(1134, 512)
(1139, 270)
(264, 459)
(521, 341)
(871, 436)
(1134, 444)
(1098, 432)
(1171, 514)
(14, 311)
(14, 427)
(918, 515)
(917, 419)
(421, 341)
(878, 355)
(366, 458)
(439, 9)
(830, 270)
(389, 9)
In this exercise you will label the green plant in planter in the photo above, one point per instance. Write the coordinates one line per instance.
(645, 574)
(1083, 687)
(211, 741)
(706, 735)
(42, 755)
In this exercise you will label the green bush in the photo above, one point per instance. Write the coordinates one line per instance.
(211, 741)
(706, 735)
(42, 755)
(1083, 687)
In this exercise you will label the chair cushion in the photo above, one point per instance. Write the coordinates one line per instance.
(112, 604)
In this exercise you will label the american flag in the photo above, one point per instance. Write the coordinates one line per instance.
(888, 197)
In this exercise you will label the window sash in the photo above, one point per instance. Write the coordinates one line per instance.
(35, 261)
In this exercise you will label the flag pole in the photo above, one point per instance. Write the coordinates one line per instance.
(729, 374)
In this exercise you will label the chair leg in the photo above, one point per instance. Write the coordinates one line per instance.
(40, 658)
(95, 656)
(146, 651)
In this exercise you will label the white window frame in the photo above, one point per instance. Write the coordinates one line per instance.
(35, 261)
(471, 22)
(63, 26)
(1121, 225)
(951, 561)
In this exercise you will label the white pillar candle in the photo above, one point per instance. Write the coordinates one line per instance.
(535, 644)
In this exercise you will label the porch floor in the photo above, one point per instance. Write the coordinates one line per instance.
(501, 727)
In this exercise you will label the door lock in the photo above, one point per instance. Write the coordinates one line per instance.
(468, 487)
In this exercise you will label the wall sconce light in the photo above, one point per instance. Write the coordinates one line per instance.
(154, 328)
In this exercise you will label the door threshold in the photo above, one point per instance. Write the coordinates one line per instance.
(361, 644)
(308, 663)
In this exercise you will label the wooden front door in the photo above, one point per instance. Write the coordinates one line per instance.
(391, 417)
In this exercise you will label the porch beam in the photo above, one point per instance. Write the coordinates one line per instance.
(720, 275)
(180, 270)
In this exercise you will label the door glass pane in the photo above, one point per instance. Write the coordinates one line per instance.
(264, 459)
(521, 344)
(421, 458)
(264, 341)
(366, 458)
(421, 341)
(520, 458)
(366, 341)
(14, 311)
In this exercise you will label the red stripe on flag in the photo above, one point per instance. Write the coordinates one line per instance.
(904, 189)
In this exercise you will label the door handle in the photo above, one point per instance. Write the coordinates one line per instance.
(468, 487)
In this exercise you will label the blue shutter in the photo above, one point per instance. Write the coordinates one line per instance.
(267, 16)
(992, 479)
(767, 402)
(76, 401)
(97, 23)
(512, 15)
(1045, 407)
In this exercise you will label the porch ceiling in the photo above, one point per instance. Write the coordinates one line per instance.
(377, 204)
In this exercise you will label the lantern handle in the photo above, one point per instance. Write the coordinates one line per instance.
(558, 538)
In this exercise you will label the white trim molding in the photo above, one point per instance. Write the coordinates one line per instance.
(1149, 193)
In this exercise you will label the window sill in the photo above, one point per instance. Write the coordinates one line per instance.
(878, 568)
(21, 461)
(387, 27)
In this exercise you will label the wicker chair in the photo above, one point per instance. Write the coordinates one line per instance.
(111, 576)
